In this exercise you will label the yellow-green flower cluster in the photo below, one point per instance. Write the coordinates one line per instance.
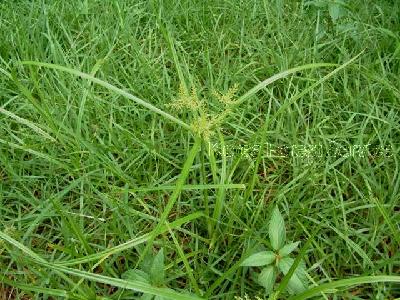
(202, 126)
(186, 100)
(226, 98)
(203, 123)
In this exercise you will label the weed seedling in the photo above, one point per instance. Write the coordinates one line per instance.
(154, 274)
(278, 261)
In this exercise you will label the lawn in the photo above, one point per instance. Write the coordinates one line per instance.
(169, 149)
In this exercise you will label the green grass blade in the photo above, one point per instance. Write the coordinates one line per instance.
(21, 247)
(220, 199)
(175, 194)
(34, 152)
(382, 209)
(40, 290)
(82, 103)
(130, 244)
(138, 286)
(385, 214)
(287, 103)
(27, 123)
(36, 289)
(278, 76)
(192, 187)
(345, 283)
(167, 35)
(117, 282)
(356, 248)
(110, 87)
(182, 255)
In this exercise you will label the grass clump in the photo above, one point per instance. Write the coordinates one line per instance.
(100, 170)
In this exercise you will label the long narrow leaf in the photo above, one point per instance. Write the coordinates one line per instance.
(327, 287)
(278, 76)
(138, 286)
(175, 194)
(110, 87)
(34, 152)
(190, 187)
(27, 123)
(130, 244)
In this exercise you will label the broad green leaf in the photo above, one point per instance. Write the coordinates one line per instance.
(267, 278)
(298, 261)
(298, 282)
(316, 3)
(289, 248)
(259, 259)
(157, 272)
(136, 275)
(147, 261)
(277, 231)
(335, 11)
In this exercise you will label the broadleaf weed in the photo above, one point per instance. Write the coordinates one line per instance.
(278, 260)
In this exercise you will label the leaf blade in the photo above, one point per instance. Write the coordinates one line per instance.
(267, 278)
(326, 287)
(278, 76)
(259, 259)
(289, 248)
(136, 275)
(277, 231)
(157, 272)
(117, 282)
(297, 282)
(110, 87)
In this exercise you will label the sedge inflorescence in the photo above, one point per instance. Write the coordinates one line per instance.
(203, 121)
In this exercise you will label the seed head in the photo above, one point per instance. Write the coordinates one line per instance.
(227, 98)
(202, 126)
(186, 100)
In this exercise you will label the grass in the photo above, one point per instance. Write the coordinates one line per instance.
(98, 172)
